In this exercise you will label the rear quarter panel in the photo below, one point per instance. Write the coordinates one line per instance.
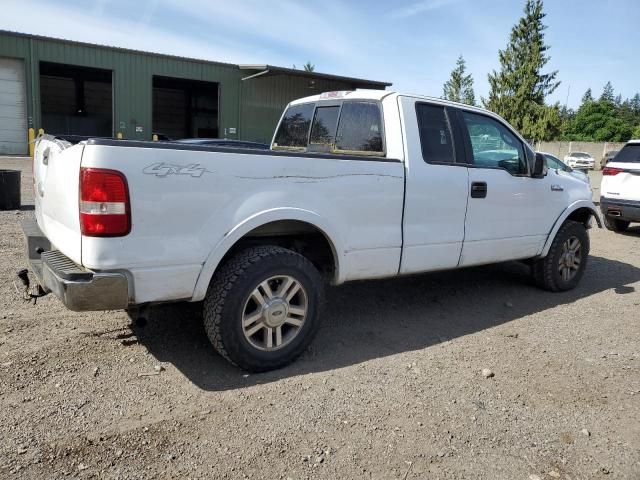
(187, 207)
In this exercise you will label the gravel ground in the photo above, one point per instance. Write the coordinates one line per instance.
(392, 387)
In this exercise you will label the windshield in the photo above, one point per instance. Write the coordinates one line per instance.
(629, 154)
(580, 155)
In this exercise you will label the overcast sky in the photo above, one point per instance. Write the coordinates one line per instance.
(413, 44)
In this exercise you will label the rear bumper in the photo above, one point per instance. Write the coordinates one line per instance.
(628, 210)
(78, 288)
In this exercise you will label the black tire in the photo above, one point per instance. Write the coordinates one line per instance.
(615, 224)
(227, 295)
(546, 270)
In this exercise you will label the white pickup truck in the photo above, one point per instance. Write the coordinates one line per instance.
(356, 185)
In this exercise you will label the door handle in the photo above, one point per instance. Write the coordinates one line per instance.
(479, 190)
(557, 188)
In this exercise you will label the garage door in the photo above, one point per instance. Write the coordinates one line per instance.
(13, 109)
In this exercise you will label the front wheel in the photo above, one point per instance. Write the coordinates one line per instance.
(615, 225)
(262, 308)
(566, 261)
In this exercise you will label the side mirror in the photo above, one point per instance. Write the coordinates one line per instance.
(539, 166)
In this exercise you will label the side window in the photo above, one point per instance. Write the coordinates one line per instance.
(435, 134)
(360, 129)
(494, 146)
(323, 130)
(294, 128)
(553, 162)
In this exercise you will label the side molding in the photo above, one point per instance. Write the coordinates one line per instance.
(563, 217)
(258, 220)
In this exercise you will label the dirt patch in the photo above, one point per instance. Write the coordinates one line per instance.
(391, 388)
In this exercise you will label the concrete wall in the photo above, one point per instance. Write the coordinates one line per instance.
(560, 149)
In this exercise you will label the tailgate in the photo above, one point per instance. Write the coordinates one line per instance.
(621, 176)
(624, 184)
(56, 171)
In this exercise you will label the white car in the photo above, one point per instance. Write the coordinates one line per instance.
(581, 160)
(557, 164)
(620, 189)
(357, 185)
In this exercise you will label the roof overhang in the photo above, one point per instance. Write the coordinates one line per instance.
(256, 71)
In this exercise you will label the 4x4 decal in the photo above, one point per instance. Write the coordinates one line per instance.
(162, 169)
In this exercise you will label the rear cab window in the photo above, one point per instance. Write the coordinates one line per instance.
(293, 132)
(349, 127)
(360, 129)
(325, 122)
(630, 153)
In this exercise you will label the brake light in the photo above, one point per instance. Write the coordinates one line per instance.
(610, 171)
(104, 203)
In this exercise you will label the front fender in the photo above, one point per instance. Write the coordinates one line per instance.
(564, 216)
(258, 220)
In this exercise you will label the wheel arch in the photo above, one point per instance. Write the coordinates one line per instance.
(261, 222)
(580, 211)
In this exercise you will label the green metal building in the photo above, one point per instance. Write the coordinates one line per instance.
(74, 88)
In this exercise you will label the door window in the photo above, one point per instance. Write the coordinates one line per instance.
(435, 134)
(555, 163)
(494, 145)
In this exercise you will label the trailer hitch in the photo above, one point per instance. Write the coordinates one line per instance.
(27, 292)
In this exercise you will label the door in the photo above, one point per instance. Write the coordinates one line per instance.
(13, 108)
(437, 186)
(510, 213)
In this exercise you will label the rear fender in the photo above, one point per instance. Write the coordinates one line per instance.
(580, 204)
(258, 220)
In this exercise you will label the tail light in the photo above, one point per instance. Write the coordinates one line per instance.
(610, 171)
(33, 175)
(104, 203)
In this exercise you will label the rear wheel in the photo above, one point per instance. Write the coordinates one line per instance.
(566, 261)
(262, 308)
(615, 225)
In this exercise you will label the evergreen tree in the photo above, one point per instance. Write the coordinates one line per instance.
(518, 90)
(459, 87)
(309, 67)
(607, 94)
(607, 119)
(634, 107)
(587, 97)
(598, 121)
(566, 117)
(635, 104)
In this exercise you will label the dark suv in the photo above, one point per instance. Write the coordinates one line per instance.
(608, 156)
